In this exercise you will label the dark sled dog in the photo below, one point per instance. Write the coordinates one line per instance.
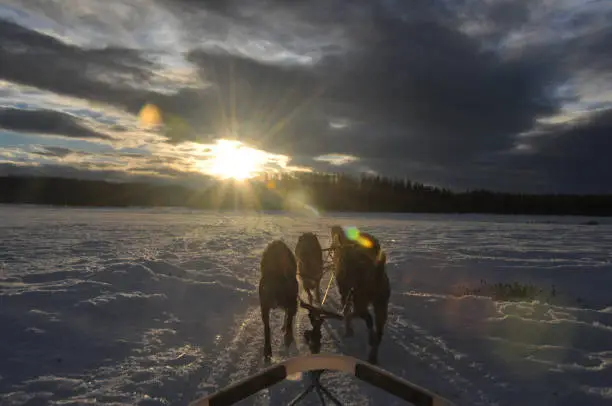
(362, 281)
(278, 288)
(309, 256)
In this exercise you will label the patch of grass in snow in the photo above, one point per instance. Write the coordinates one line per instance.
(515, 291)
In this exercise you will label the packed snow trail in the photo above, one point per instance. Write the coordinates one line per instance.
(155, 307)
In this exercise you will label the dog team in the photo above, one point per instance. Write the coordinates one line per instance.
(358, 266)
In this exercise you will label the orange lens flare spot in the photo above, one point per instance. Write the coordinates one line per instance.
(353, 234)
(365, 242)
(149, 116)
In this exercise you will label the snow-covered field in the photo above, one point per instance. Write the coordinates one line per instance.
(151, 307)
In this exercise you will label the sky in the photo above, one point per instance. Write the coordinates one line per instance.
(504, 95)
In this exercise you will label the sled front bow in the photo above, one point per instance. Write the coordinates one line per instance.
(366, 372)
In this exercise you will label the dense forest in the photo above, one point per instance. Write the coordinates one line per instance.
(324, 192)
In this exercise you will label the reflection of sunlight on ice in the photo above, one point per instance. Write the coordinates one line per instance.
(522, 331)
(605, 393)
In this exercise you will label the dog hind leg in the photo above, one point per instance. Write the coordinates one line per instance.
(380, 315)
(367, 317)
(309, 293)
(289, 316)
(348, 315)
(318, 292)
(265, 317)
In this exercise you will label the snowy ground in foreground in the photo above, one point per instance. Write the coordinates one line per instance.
(158, 307)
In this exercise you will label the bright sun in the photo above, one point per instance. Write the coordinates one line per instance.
(233, 160)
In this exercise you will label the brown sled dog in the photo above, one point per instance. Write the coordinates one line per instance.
(278, 288)
(309, 257)
(362, 281)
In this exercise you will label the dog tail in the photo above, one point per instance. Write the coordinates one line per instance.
(381, 261)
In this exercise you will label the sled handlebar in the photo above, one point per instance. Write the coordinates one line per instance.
(364, 371)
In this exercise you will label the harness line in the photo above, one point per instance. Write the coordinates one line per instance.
(331, 278)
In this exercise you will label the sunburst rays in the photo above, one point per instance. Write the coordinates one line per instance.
(244, 123)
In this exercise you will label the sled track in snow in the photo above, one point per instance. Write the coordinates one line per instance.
(439, 358)
(280, 394)
(156, 307)
(222, 362)
(428, 353)
(240, 355)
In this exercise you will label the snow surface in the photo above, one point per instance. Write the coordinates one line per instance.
(159, 306)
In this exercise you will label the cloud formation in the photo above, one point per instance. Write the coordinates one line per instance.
(46, 122)
(507, 95)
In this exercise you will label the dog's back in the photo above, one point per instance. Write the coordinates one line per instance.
(277, 260)
(360, 265)
(356, 268)
(278, 274)
(278, 287)
(365, 243)
(364, 239)
(309, 257)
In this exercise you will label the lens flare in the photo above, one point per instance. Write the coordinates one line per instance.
(149, 116)
(353, 234)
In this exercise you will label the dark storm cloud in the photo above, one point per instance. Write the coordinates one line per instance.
(110, 75)
(66, 171)
(105, 171)
(574, 157)
(592, 53)
(425, 88)
(62, 152)
(59, 171)
(34, 59)
(46, 122)
(53, 151)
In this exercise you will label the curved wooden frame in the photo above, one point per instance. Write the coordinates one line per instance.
(371, 374)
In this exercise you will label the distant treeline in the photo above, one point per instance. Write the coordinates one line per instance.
(325, 192)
